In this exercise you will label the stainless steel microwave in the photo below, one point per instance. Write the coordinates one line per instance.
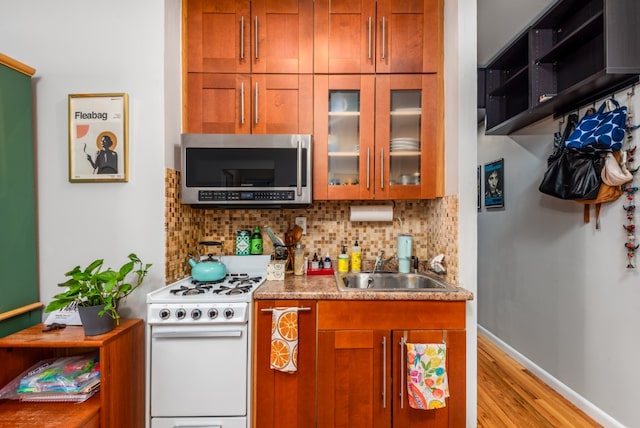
(242, 171)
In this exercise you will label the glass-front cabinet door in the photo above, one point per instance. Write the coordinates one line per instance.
(387, 148)
(407, 149)
(343, 137)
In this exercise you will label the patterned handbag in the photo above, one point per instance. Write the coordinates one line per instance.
(600, 131)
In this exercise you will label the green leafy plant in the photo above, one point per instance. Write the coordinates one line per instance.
(94, 286)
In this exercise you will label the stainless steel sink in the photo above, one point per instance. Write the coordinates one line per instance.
(390, 281)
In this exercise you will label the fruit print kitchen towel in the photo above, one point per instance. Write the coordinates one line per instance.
(427, 385)
(284, 339)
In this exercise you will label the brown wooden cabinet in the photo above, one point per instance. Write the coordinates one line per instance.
(248, 66)
(378, 137)
(284, 399)
(239, 36)
(282, 36)
(249, 103)
(120, 401)
(217, 36)
(361, 379)
(387, 36)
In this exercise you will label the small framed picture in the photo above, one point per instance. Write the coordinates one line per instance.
(494, 184)
(98, 134)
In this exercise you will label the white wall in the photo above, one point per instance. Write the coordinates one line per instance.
(94, 47)
(556, 290)
(460, 165)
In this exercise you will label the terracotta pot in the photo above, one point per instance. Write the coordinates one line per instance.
(93, 323)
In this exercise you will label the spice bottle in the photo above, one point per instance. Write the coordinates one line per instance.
(343, 261)
(356, 258)
(256, 242)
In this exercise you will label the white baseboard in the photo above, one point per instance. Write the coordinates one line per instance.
(576, 399)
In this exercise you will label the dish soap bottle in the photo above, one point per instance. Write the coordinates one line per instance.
(343, 261)
(356, 258)
(256, 242)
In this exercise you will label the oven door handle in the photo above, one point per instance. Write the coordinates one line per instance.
(177, 334)
(198, 426)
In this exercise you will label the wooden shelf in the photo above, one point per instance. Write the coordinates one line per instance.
(14, 413)
(120, 401)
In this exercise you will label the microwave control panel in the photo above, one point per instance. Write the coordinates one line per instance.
(234, 195)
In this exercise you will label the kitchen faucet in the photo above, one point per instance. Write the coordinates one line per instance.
(380, 262)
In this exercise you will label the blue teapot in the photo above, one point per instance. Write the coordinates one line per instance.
(208, 269)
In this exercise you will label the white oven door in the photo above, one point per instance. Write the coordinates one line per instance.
(199, 370)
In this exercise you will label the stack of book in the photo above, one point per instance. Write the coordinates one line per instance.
(69, 379)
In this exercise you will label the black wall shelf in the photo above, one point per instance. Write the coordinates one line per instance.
(577, 52)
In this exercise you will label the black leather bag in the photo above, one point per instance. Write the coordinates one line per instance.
(571, 175)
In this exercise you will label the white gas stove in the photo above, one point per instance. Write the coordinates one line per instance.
(199, 348)
(224, 301)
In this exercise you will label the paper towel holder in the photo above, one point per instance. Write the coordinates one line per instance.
(371, 212)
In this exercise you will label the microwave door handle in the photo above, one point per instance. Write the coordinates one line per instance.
(299, 170)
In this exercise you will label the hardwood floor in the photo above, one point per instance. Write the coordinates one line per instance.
(511, 396)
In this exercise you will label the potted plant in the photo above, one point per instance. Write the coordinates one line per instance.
(98, 291)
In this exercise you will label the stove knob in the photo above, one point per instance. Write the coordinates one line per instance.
(181, 313)
(213, 313)
(196, 314)
(228, 313)
(165, 314)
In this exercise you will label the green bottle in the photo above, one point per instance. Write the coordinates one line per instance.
(256, 242)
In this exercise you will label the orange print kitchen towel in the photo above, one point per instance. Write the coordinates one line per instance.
(427, 385)
(284, 339)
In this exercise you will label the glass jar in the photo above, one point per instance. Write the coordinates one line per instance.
(298, 260)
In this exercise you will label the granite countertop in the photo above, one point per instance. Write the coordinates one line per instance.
(319, 287)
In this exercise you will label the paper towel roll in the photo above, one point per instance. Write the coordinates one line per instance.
(371, 213)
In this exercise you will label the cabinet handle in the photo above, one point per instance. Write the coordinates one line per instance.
(368, 166)
(369, 32)
(242, 37)
(256, 36)
(299, 170)
(382, 167)
(256, 102)
(384, 372)
(242, 103)
(300, 308)
(384, 36)
(402, 374)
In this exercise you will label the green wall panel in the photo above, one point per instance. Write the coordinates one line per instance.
(18, 254)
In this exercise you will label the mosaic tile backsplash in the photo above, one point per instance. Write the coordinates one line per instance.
(433, 224)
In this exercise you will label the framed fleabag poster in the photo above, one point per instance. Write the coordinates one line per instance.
(98, 134)
(494, 184)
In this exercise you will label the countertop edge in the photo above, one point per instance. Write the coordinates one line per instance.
(323, 287)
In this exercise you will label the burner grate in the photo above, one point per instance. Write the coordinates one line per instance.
(217, 281)
(183, 290)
